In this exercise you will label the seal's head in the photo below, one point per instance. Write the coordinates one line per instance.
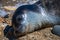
(20, 16)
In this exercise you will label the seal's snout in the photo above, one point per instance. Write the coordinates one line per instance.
(20, 29)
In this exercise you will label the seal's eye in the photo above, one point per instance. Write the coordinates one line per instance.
(19, 18)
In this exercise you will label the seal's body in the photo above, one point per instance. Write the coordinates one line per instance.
(28, 18)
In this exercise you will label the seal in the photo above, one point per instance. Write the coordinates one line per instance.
(29, 18)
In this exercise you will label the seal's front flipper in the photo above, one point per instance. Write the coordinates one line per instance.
(8, 32)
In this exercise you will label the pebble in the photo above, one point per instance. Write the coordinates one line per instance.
(56, 30)
(3, 13)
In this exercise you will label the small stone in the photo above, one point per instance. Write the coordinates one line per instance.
(56, 30)
(10, 8)
(3, 13)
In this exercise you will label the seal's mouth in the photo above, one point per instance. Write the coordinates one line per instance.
(20, 28)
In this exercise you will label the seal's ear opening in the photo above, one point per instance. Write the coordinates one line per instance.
(8, 32)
